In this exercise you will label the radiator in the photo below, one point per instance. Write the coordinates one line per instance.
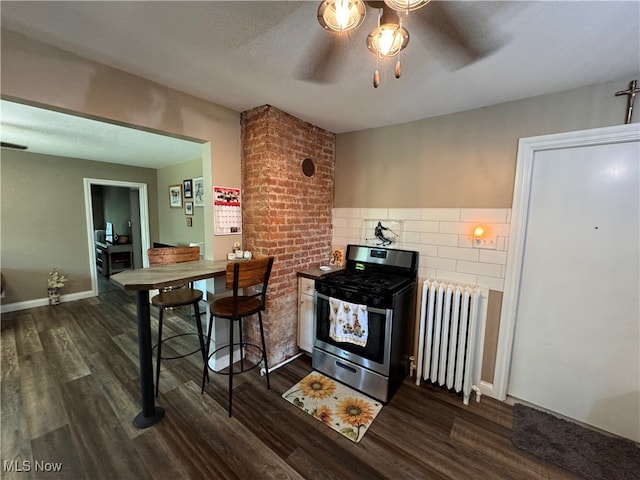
(451, 335)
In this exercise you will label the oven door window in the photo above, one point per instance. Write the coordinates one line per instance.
(375, 346)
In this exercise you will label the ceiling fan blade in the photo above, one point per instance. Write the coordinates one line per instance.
(15, 146)
(459, 39)
(322, 64)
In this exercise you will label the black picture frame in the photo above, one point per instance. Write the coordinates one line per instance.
(187, 188)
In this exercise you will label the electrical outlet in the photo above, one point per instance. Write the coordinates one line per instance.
(487, 243)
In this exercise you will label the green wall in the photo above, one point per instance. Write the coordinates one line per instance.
(44, 219)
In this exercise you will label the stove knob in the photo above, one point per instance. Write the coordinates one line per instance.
(376, 301)
(365, 299)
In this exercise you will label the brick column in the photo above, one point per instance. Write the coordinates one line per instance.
(286, 214)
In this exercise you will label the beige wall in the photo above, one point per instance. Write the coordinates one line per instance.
(173, 223)
(40, 75)
(463, 160)
(44, 220)
(466, 159)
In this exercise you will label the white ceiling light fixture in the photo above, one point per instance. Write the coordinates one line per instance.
(341, 15)
(405, 5)
(387, 40)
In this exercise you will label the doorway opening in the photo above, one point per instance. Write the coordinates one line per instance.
(136, 228)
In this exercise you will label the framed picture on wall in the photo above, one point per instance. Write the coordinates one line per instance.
(187, 187)
(175, 196)
(198, 192)
(188, 208)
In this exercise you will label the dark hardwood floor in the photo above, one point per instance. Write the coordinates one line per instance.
(70, 388)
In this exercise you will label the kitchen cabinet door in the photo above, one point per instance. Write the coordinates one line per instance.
(306, 312)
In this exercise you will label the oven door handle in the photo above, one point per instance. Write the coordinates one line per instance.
(380, 311)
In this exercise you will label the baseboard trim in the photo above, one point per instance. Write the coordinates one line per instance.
(486, 388)
(41, 302)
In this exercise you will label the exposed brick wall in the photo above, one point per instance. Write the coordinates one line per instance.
(285, 213)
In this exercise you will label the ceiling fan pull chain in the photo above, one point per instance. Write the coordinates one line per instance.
(376, 75)
(398, 71)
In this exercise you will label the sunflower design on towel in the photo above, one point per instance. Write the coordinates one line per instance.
(348, 322)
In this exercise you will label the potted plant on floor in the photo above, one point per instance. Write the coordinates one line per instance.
(54, 284)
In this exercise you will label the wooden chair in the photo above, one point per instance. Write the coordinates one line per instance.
(243, 275)
(175, 296)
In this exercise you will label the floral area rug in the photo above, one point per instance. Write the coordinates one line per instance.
(345, 410)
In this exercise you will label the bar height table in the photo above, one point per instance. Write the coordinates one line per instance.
(145, 279)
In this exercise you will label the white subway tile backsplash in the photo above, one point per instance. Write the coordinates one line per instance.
(375, 213)
(354, 222)
(465, 241)
(425, 273)
(456, 277)
(347, 213)
(443, 238)
(347, 232)
(420, 226)
(470, 254)
(477, 268)
(339, 242)
(500, 229)
(411, 237)
(493, 256)
(438, 263)
(492, 283)
(339, 222)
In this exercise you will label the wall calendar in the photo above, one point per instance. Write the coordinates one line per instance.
(227, 211)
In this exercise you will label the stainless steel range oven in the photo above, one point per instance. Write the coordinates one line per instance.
(364, 320)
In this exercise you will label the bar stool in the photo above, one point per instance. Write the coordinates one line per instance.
(241, 274)
(173, 297)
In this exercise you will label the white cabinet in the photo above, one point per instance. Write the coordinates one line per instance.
(306, 313)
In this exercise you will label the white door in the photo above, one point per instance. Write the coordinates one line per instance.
(576, 342)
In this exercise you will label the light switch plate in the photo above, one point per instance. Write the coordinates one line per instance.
(487, 243)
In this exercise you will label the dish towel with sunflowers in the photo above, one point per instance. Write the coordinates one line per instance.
(348, 322)
(345, 410)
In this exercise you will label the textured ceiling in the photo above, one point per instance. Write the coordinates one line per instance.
(245, 54)
(54, 133)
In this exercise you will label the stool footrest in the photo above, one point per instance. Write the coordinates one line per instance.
(165, 340)
(243, 368)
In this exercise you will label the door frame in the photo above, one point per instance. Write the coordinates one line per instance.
(527, 149)
(143, 198)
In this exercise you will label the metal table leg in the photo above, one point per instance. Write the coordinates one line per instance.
(151, 414)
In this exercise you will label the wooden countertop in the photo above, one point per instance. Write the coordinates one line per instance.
(315, 272)
(165, 275)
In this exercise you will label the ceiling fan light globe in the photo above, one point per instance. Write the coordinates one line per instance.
(387, 40)
(341, 15)
(405, 5)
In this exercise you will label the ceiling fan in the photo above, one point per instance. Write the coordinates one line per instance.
(342, 17)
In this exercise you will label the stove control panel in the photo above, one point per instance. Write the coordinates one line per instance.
(353, 295)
